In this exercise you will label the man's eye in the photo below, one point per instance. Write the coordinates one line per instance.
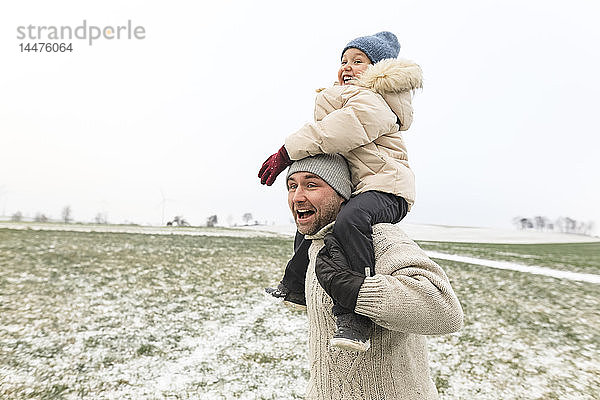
(311, 185)
(344, 62)
(292, 187)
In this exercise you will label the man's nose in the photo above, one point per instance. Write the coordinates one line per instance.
(299, 195)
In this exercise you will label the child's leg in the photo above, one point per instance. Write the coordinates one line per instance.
(354, 225)
(295, 271)
(354, 231)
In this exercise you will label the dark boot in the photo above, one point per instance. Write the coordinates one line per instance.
(353, 332)
(293, 300)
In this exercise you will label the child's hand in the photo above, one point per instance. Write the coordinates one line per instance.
(273, 166)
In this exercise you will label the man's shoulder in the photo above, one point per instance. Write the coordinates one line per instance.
(395, 250)
(386, 233)
(389, 228)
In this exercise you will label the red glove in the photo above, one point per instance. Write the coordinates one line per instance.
(273, 166)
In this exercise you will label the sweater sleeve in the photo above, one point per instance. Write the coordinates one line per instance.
(415, 298)
(364, 117)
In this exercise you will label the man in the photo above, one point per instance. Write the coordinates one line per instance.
(408, 297)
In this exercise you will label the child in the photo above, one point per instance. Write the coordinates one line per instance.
(360, 118)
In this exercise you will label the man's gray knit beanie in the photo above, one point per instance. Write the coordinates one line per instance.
(332, 168)
(377, 47)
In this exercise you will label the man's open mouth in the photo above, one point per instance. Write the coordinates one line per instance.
(304, 214)
(347, 78)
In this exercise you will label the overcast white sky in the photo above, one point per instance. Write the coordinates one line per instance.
(506, 125)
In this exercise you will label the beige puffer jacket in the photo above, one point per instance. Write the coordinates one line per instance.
(362, 122)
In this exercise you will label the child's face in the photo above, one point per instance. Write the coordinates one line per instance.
(354, 63)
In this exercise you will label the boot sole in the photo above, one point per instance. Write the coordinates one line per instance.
(294, 306)
(351, 345)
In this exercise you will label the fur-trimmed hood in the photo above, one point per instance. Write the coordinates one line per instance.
(392, 76)
(395, 80)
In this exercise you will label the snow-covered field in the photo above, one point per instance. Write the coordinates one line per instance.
(466, 234)
(140, 229)
(115, 315)
(419, 232)
(434, 233)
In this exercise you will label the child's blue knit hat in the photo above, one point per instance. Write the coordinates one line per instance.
(377, 47)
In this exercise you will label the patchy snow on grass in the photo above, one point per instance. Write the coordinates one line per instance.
(571, 257)
(129, 316)
(137, 229)
(530, 269)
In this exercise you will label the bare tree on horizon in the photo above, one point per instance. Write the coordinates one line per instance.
(247, 217)
(17, 217)
(40, 217)
(66, 214)
(101, 218)
(211, 221)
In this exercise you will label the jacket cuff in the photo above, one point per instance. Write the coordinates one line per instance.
(370, 297)
(293, 149)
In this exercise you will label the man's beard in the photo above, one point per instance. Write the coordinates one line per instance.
(326, 215)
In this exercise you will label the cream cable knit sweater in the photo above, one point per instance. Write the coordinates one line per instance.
(410, 296)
